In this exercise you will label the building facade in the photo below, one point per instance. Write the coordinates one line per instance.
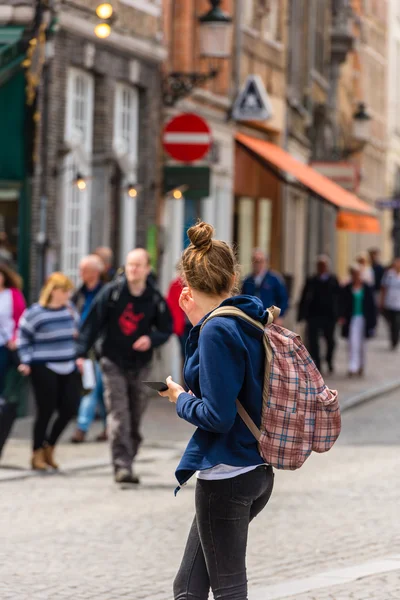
(391, 218)
(104, 112)
(212, 102)
(259, 220)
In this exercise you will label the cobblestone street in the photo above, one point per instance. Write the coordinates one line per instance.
(78, 536)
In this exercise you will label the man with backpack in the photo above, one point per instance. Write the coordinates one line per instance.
(131, 318)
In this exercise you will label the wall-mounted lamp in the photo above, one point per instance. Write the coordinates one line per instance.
(215, 28)
(105, 13)
(177, 193)
(80, 181)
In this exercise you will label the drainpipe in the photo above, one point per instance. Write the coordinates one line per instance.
(238, 41)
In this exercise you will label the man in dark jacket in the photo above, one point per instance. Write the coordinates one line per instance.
(91, 271)
(132, 318)
(265, 284)
(377, 267)
(319, 308)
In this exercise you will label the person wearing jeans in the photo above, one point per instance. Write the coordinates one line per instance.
(46, 343)
(390, 302)
(91, 270)
(87, 408)
(224, 363)
(216, 548)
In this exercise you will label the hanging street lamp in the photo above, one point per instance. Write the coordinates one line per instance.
(216, 30)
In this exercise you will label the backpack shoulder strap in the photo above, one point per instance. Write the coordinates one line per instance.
(232, 311)
(116, 291)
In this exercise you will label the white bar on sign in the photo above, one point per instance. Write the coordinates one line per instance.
(187, 138)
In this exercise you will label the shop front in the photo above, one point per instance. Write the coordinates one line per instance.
(272, 190)
(14, 140)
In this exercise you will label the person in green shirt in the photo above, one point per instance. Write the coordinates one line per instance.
(358, 318)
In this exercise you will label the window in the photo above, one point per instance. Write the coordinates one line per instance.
(298, 72)
(397, 97)
(270, 20)
(79, 119)
(76, 204)
(320, 36)
(248, 13)
(126, 121)
(126, 144)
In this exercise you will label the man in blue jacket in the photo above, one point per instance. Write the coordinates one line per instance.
(265, 284)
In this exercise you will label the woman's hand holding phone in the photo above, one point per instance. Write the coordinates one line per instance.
(173, 392)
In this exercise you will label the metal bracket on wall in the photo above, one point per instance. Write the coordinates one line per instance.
(179, 85)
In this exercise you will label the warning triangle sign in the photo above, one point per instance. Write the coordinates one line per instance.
(252, 103)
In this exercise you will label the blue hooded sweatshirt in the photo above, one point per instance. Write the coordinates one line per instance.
(224, 363)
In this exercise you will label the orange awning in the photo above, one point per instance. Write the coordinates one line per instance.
(363, 219)
(347, 221)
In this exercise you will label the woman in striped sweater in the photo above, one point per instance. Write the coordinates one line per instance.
(46, 346)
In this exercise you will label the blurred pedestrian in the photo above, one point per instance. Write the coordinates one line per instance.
(319, 308)
(132, 318)
(181, 324)
(377, 267)
(47, 348)
(6, 256)
(224, 363)
(358, 318)
(12, 305)
(366, 271)
(265, 284)
(390, 301)
(91, 270)
(107, 256)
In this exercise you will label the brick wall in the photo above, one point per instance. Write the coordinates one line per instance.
(109, 66)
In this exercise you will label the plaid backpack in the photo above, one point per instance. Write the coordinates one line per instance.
(299, 414)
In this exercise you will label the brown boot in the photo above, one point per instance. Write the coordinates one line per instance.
(49, 457)
(38, 461)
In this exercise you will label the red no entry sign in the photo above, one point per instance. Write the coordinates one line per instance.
(187, 138)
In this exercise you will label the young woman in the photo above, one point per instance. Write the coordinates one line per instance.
(46, 345)
(224, 363)
(12, 305)
(358, 318)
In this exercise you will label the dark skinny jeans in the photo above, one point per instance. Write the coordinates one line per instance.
(215, 554)
(53, 394)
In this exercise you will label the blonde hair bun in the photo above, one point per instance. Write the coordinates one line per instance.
(201, 236)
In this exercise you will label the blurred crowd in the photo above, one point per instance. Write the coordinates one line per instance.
(87, 350)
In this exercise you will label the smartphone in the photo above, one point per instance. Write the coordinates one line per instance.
(159, 386)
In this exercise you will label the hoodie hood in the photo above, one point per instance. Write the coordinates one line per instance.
(252, 306)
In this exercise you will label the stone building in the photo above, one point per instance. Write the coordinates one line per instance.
(210, 99)
(326, 97)
(99, 102)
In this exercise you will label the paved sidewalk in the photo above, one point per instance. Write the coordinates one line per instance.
(382, 373)
(163, 429)
(330, 532)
